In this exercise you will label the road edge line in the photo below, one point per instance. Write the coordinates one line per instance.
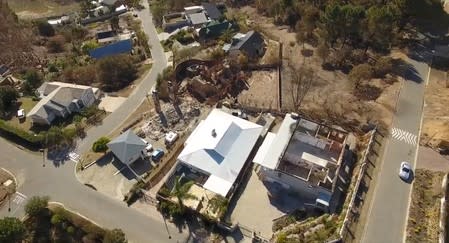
(370, 209)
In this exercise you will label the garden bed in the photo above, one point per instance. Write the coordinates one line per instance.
(56, 224)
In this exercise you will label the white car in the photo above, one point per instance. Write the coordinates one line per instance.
(405, 171)
(21, 113)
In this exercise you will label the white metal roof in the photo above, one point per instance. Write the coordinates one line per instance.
(279, 143)
(218, 185)
(263, 150)
(219, 147)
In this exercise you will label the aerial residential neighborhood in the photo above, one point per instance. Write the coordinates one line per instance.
(224, 121)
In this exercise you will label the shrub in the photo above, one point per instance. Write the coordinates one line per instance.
(12, 230)
(101, 145)
(19, 133)
(71, 230)
(383, 66)
(36, 205)
(52, 68)
(360, 73)
(56, 44)
(57, 219)
(89, 45)
(114, 236)
(45, 29)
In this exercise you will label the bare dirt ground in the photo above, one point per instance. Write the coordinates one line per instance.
(262, 92)
(436, 113)
(331, 94)
(31, 9)
(425, 207)
(431, 160)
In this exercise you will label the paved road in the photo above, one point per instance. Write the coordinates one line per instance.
(388, 211)
(59, 182)
(62, 186)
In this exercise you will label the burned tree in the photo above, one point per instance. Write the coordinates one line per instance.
(301, 82)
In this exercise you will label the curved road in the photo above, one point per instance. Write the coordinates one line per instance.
(60, 183)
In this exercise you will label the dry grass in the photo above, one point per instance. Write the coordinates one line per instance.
(425, 207)
(331, 96)
(436, 113)
(30, 9)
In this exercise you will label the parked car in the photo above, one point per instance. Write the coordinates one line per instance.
(170, 138)
(157, 154)
(21, 113)
(405, 171)
(145, 141)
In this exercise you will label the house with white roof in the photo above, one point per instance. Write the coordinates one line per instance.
(303, 156)
(217, 150)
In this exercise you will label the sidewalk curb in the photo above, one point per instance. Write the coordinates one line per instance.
(74, 212)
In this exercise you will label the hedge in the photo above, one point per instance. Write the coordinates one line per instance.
(21, 134)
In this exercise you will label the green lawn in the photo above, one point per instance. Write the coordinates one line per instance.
(26, 103)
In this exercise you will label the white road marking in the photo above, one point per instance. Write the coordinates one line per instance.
(74, 157)
(19, 198)
(404, 136)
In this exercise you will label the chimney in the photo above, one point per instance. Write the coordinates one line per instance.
(214, 133)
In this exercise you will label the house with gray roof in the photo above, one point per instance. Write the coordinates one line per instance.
(59, 100)
(251, 44)
(127, 147)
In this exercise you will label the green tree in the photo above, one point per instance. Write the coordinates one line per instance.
(32, 80)
(12, 230)
(380, 26)
(45, 29)
(115, 72)
(8, 96)
(36, 205)
(359, 73)
(101, 145)
(115, 236)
